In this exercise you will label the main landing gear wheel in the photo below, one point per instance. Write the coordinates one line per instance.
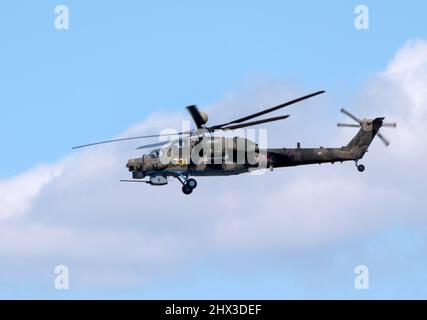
(361, 167)
(189, 185)
(186, 189)
(192, 183)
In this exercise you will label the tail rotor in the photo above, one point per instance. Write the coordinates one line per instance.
(378, 122)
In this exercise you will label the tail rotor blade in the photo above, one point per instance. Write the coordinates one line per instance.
(390, 124)
(348, 125)
(351, 116)
(383, 139)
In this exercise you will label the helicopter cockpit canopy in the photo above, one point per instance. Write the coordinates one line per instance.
(158, 153)
(155, 154)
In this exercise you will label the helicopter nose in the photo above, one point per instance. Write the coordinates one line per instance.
(131, 164)
(147, 164)
(134, 164)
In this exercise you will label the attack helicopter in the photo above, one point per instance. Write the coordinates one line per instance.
(198, 152)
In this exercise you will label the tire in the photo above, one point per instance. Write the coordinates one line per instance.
(186, 189)
(361, 167)
(191, 183)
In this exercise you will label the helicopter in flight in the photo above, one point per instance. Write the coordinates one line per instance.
(199, 152)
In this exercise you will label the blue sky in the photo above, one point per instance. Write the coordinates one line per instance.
(119, 63)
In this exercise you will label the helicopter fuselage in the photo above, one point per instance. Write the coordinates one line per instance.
(242, 156)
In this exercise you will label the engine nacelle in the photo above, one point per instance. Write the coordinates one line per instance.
(158, 180)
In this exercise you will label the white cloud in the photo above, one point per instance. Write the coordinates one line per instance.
(18, 193)
(78, 210)
(399, 91)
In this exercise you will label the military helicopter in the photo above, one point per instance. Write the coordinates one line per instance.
(199, 152)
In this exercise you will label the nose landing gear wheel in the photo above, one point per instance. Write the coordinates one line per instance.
(186, 189)
(361, 167)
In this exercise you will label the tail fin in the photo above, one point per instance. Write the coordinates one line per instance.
(363, 139)
(367, 132)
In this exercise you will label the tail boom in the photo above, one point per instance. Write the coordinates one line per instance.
(353, 151)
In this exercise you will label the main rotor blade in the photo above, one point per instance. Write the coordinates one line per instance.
(158, 144)
(351, 115)
(383, 139)
(390, 124)
(267, 110)
(131, 138)
(195, 114)
(348, 125)
(254, 123)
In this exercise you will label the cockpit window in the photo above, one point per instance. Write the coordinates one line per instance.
(155, 154)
